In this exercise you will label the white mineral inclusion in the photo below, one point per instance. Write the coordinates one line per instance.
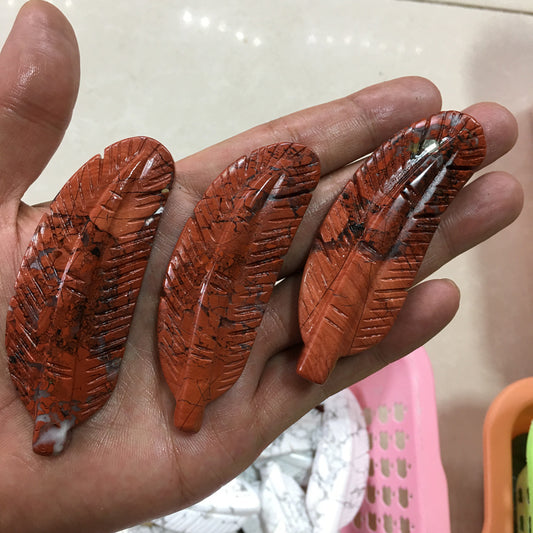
(149, 220)
(53, 434)
(311, 479)
(430, 146)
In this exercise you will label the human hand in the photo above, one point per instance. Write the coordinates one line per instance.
(128, 462)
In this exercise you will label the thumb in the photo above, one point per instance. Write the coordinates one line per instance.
(39, 66)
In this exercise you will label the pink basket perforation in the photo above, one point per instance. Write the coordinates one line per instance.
(407, 490)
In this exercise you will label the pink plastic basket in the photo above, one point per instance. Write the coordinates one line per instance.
(407, 490)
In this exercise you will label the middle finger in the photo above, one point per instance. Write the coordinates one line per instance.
(500, 133)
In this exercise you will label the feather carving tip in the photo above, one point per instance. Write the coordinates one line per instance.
(316, 362)
(188, 417)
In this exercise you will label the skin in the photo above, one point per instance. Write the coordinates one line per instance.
(128, 463)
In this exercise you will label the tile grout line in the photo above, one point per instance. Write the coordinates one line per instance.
(471, 6)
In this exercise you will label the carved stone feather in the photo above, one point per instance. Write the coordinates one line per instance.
(77, 287)
(223, 271)
(369, 248)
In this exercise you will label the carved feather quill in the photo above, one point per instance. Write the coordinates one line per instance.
(223, 271)
(371, 243)
(77, 287)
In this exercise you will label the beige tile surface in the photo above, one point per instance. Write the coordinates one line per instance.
(516, 6)
(193, 73)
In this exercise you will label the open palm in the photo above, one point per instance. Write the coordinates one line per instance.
(128, 463)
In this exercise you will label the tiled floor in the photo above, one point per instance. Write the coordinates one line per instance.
(514, 6)
(175, 70)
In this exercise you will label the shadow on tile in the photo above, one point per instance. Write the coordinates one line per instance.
(462, 465)
(501, 71)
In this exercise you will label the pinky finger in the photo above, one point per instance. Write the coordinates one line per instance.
(429, 307)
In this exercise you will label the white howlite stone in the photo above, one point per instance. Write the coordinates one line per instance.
(192, 521)
(253, 525)
(251, 476)
(236, 497)
(282, 502)
(311, 479)
(301, 437)
(223, 512)
(297, 465)
(337, 484)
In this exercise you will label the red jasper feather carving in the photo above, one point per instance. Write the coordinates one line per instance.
(78, 284)
(223, 271)
(370, 245)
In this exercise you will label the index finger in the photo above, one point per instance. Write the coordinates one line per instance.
(339, 132)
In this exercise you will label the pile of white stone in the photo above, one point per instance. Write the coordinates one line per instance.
(312, 479)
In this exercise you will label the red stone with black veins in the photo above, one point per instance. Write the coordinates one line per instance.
(369, 248)
(223, 271)
(78, 284)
